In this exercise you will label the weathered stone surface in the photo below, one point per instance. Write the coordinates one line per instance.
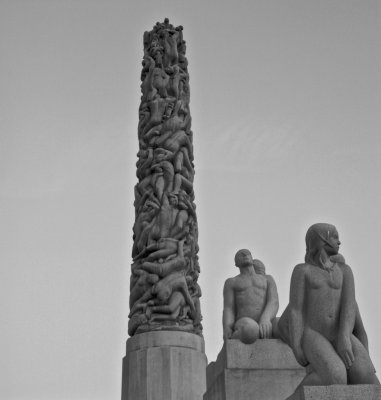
(159, 366)
(164, 293)
(166, 338)
(338, 392)
(250, 301)
(322, 322)
(264, 370)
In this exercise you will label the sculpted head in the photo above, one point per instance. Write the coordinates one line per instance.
(161, 154)
(243, 258)
(321, 239)
(259, 267)
(173, 200)
(163, 293)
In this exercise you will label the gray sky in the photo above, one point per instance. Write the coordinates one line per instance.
(285, 104)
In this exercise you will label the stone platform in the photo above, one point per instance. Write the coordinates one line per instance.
(164, 365)
(338, 392)
(264, 370)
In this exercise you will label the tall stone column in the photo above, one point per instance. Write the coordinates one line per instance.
(165, 356)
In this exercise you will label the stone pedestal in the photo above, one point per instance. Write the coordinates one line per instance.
(338, 392)
(164, 365)
(264, 370)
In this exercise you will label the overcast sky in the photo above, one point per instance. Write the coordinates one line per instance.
(285, 105)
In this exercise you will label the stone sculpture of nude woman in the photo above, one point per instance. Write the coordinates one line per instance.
(322, 318)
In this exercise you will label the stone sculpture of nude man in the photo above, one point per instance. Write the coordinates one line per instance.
(322, 318)
(250, 302)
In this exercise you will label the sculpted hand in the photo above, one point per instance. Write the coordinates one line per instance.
(265, 329)
(228, 332)
(344, 349)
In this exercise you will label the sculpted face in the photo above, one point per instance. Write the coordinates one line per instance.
(164, 294)
(332, 244)
(243, 258)
(173, 201)
(321, 237)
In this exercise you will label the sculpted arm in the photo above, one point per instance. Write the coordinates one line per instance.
(296, 323)
(228, 316)
(272, 306)
(347, 317)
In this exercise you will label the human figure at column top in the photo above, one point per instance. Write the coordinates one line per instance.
(250, 301)
(322, 323)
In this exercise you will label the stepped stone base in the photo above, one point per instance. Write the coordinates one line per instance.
(264, 370)
(164, 365)
(338, 392)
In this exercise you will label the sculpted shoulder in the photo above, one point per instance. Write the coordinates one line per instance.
(269, 279)
(344, 267)
(346, 271)
(301, 269)
(230, 282)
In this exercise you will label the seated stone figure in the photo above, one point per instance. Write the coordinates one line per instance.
(250, 301)
(322, 323)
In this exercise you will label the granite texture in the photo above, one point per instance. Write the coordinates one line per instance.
(164, 366)
(338, 392)
(264, 370)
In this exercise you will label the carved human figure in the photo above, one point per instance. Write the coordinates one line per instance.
(170, 221)
(250, 302)
(143, 224)
(158, 297)
(322, 317)
(161, 177)
(148, 89)
(167, 312)
(195, 292)
(175, 76)
(143, 165)
(156, 50)
(141, 282)
(157, 108)
(170, 47)
(176, 263)
(164, 172)
(183, 62)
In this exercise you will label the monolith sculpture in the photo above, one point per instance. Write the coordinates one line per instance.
(165, 354)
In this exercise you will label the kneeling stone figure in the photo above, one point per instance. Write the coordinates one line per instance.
(250, 301)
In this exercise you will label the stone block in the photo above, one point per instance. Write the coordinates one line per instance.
(164, 365)
(264, 370)
(338, 392)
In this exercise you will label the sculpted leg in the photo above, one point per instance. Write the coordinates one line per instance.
(362, 371)
(324, 360)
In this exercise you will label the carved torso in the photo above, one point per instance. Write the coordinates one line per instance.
(322, 299)
(249, 296)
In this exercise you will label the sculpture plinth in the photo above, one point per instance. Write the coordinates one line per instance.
(264, 370)
(164, 366)
(338, 392)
